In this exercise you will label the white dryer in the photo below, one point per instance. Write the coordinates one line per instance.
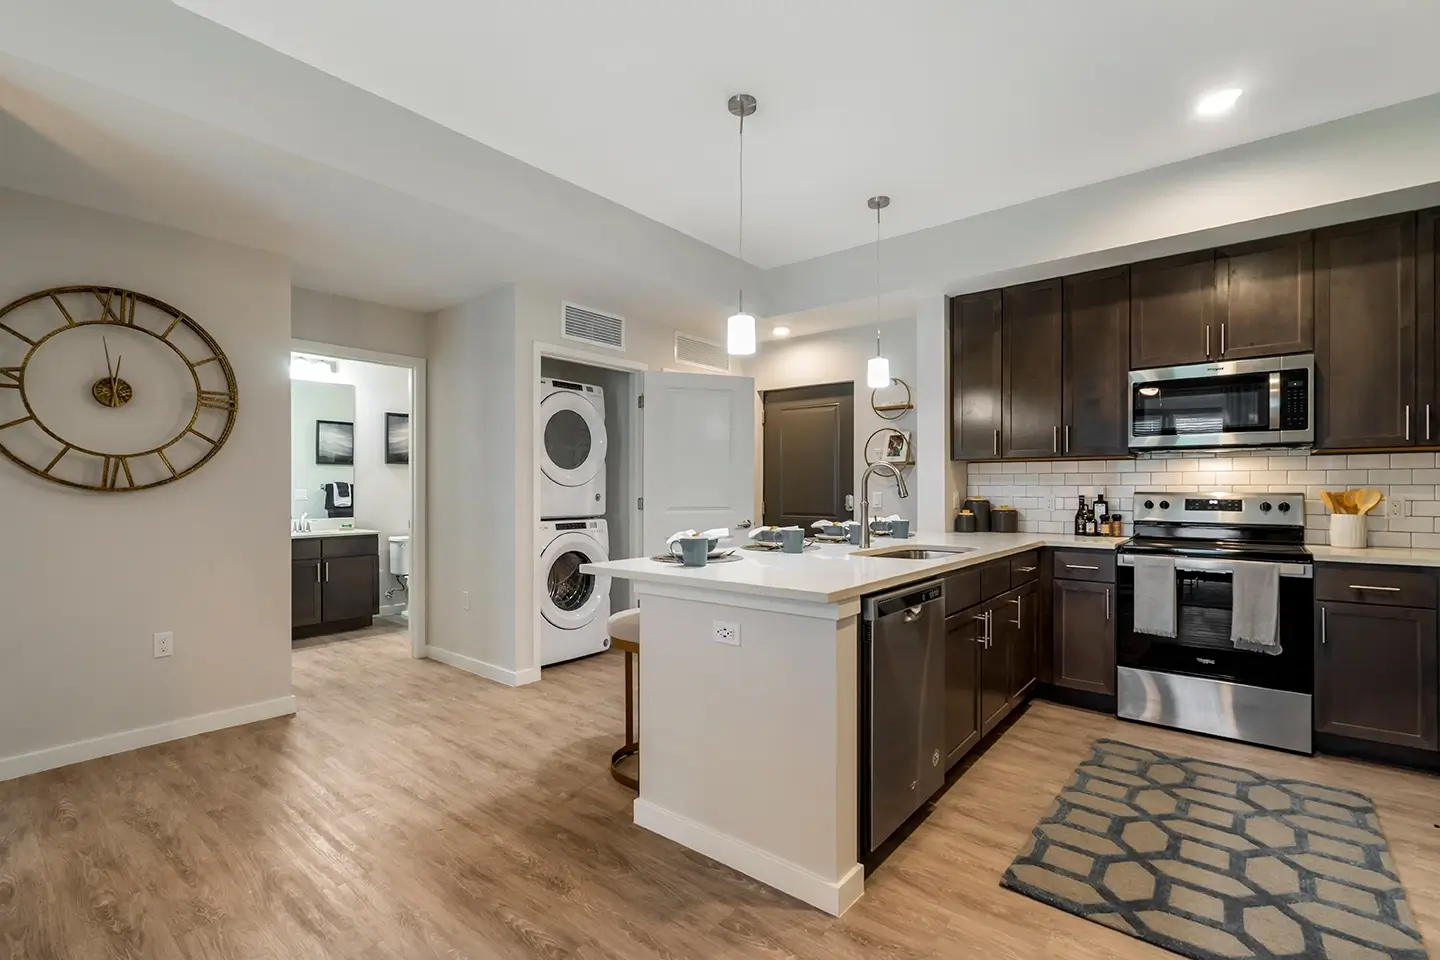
(572, 449)
(574, 606)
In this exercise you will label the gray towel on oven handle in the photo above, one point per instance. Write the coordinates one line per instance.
(1255, 608)
(1155, 596)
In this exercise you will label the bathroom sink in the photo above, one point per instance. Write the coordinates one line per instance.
(920, 553)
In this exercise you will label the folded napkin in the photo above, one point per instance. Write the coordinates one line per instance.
(824, 524)
(718, 533)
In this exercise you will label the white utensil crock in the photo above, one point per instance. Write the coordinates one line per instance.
(1347, 530)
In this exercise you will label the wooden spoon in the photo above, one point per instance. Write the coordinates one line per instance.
(1367, 500)
(1330, 502)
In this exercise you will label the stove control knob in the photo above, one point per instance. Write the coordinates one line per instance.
(1149, 504)
(1265, 507)
(1284, 508)
(1164, 504)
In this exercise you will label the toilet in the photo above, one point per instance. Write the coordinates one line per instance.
(400, 566)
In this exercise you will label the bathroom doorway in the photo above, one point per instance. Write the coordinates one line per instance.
(357, 496)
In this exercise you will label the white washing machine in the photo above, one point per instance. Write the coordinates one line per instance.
(572, 449)
(574, 606)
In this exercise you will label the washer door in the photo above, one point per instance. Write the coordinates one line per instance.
(571, 599)
(573, 451)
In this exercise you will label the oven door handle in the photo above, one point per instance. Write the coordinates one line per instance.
(1304, 571)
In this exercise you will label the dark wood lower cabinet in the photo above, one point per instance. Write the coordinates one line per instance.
(995, 664)
(1377, 676)
(1025, 646)
(964, 632)
(1083, 615)
(304, 592)
(349, 589)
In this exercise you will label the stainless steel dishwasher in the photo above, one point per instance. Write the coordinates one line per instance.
(902, 707)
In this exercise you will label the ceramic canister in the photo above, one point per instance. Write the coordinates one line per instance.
(981, 508)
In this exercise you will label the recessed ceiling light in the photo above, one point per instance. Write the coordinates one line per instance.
(1218, 102)
(781, 331)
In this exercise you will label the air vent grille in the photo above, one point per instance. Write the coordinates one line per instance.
(701, 353)
(593, 327)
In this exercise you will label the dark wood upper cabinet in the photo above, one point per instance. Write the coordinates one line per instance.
(1427, 326)
(1084, 638)
(1376, 674)
(1265, 298)
(978, 376)
(1032, 387)
(1365, 334)
(1096, 336)
(963, 634)
(1172, 311)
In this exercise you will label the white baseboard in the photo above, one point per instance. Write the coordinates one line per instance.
(81, 750)
(834, 897)
(481, 668)
(391, 609)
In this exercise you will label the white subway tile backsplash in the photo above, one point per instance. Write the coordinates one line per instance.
(1305, 476)
(1426, 476)
(1412, 524)
(1269, 476)
(1347, 476)
(1426, 540)
(1325, 463)
(1424, 508)
(1367, 460)
(1412, 491)
(1389, 476)
(1412, 459)
(1388, 539)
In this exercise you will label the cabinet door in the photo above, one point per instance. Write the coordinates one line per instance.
(349, 587)
(1172, 311)
(304, 592)
(963, 637)
(995, 664)
(1365, 334)
(1097, 364)
(1084, 624)
(1376, 674)
(1265, 297)
(1024, 608)
(978, 376)
(1427, 326)
(1032, 389)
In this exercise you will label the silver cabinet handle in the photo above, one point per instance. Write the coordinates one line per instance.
(1107, 604)
(983, 618)
(317, 572)
(1427, 421)
(1407, 421)
(1361, 586)
(327, 571)
(997, 443)
(1067, 438)
(1018, 608)
(1026, 569)
(1207, 340)
(1081, 566)
(1222, 339)
(1323, 611)
(1055, 438)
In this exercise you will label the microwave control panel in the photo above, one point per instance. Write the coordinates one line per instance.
(1295, 400)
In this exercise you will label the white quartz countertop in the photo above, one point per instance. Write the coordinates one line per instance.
(356, 532)
(1387, 556)
(832, 573)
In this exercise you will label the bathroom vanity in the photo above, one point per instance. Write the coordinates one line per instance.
(334, 581)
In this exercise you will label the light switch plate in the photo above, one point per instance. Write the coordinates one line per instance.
(301, 493)
(875, 499)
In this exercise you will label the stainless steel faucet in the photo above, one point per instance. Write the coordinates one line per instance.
(865, 496)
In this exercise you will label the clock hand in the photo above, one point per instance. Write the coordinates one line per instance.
(115, 382)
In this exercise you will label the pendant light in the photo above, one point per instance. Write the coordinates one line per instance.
(877, 371)
(740, 329)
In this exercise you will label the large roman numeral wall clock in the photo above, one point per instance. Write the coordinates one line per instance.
(110, 390)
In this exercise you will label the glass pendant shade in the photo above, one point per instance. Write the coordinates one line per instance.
(877, 373)
(740, 335)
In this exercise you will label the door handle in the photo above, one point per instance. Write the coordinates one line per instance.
(1207, 340)
(1055, 440)
(1026, 569)
(1323, 611)
(1107, 604)
(1407, 421)
(327, 571)
(1018, 614)
(1222, 339)
(1079, 566)
(317, 572)
(997, 443)
(1427, 421)
(981, 639)
(1361, 586)
(1067, 438)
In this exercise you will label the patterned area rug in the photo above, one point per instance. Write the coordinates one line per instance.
(1210, 861)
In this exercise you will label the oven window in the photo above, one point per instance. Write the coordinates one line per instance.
(1239, 403)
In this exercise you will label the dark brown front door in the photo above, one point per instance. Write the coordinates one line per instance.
(809, 454)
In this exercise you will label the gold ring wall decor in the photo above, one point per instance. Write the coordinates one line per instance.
(193, 412)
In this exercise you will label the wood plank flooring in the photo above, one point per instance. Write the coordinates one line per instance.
(410, 810)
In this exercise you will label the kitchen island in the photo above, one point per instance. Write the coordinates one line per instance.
(750, 704)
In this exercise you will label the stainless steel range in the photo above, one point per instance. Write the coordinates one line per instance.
(1199, 679)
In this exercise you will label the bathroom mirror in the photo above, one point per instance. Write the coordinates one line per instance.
(319, 415)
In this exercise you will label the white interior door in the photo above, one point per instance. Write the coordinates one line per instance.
(699, 469)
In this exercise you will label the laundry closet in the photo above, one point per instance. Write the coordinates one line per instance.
(587, 453)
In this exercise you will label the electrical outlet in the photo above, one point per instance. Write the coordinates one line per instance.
(726, 632)
(465, 599)
(1399, 507)
(164, 644)
(1047, 503)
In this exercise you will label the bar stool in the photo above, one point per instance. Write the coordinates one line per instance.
(624, 628)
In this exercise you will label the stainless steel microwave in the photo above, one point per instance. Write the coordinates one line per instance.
(1266, 402)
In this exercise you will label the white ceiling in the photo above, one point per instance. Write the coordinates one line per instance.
(953, 108)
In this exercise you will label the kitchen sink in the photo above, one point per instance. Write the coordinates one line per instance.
(920, 553)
